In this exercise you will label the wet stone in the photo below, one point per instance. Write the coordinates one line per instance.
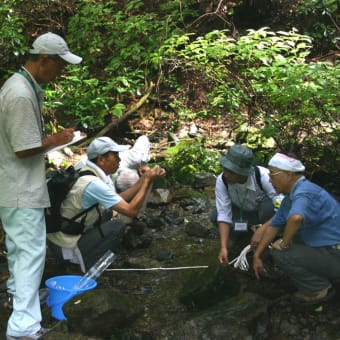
(99, 312)
(207, 287)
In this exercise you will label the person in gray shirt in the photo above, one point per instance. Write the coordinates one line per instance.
(23, 188)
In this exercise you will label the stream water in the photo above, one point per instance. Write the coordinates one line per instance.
(191, 303)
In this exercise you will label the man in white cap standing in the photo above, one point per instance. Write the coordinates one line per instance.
(24, 194)
(309, 250)
(101, 231)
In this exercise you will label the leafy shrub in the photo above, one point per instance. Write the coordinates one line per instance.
(190, 157)
(12, 40)
(263, 80)
(117, 41)
(322, 17)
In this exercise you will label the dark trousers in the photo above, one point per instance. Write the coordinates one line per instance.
(96, 241)
(309, 268)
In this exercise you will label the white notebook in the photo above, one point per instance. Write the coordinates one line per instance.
(77, 137)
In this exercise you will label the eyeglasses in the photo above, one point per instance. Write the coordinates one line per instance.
(274, 174)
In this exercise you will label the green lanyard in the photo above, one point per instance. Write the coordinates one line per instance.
(241, 204)
(24, 73)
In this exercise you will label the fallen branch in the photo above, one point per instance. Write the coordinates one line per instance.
(124, 117)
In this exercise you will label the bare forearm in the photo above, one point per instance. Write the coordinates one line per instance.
(147, 177)
(59, 138)
(291, 228)
(129, 193)
(267, 238)
(140, 190)
(138, 200)
(224, 230)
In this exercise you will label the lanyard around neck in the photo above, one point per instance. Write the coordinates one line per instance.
(24, 73)
(241, 203)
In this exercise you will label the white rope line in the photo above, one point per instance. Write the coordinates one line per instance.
(241, 261)
(150, 269)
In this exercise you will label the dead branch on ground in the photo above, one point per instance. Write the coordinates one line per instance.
(124, 117)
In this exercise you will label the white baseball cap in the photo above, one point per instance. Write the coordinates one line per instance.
(50, 43)
(102, 145)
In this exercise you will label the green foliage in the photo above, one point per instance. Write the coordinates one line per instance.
(117, 41)
(263, 80)
(324, 16)
(300, 103)
(11, 33)
(87, 101)
(190, 157)
(325, 7)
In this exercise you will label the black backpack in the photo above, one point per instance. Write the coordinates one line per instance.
(257, 176)
(59, 183)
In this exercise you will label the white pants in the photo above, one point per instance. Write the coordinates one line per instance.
(26, 245)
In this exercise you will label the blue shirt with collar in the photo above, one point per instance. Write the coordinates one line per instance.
(319, 209)
(99, 192)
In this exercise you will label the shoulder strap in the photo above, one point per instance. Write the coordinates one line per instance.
(225, 181)
(85, 211)
(258, 177)
(86, 173)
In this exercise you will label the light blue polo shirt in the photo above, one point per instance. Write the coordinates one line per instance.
(99, 192)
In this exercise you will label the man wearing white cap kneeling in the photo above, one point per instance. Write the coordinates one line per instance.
(309, 250)
(96, 193)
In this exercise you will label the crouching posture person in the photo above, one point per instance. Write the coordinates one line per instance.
(133, 163)
(98, 191)
(244, 196)
(309, 250)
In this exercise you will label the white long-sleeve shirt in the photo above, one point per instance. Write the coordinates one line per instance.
(248, 194)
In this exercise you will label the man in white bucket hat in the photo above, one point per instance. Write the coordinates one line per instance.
(309, 250)
(24, 194)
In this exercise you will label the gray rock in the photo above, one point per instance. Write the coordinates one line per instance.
(198, 228)
(100, 311)
(242, 317)
(209, 286)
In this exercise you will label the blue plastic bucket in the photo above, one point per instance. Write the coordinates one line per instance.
(61, 290)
